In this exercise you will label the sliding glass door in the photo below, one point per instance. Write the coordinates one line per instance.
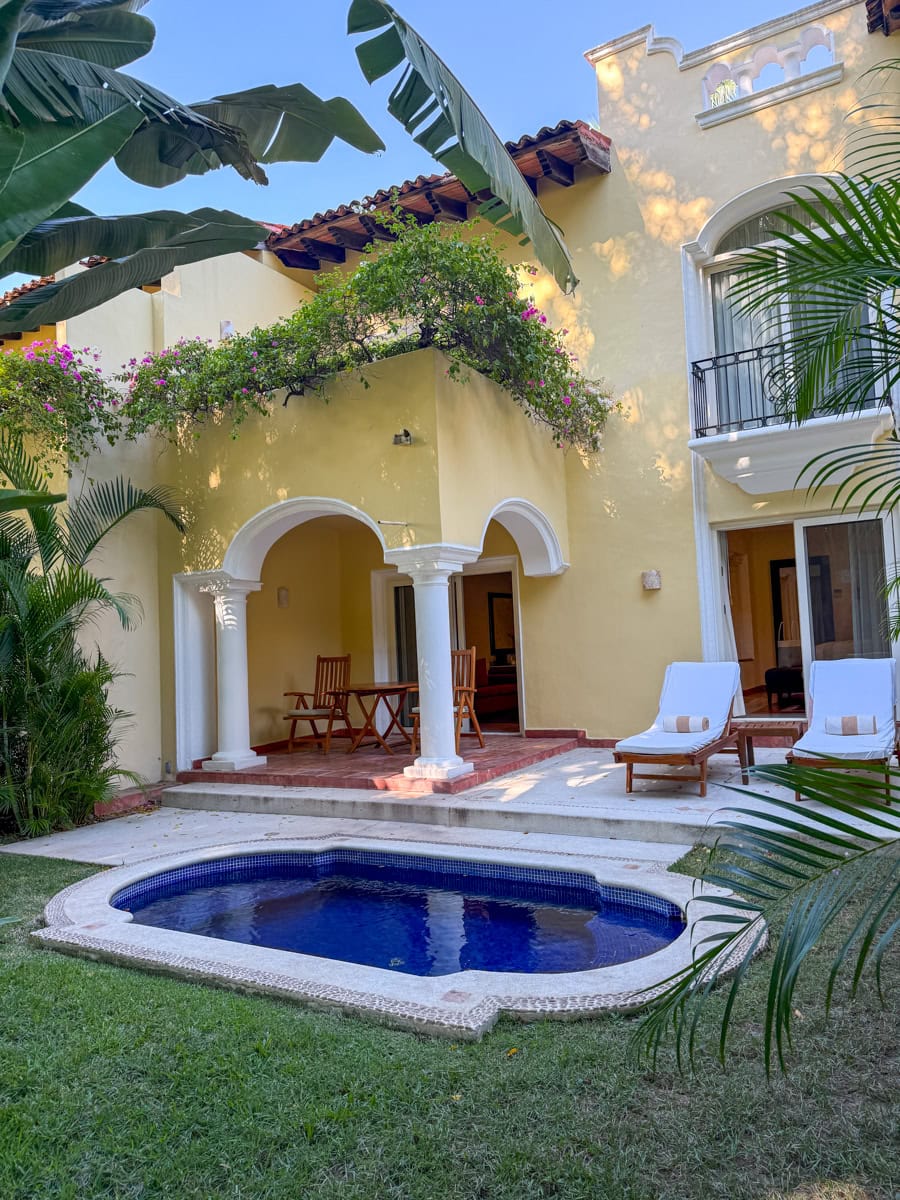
(843, 607)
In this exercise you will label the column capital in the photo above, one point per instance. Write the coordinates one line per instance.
(432, 563)
(220, 583)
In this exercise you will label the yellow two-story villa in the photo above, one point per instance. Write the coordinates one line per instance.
(420, 514)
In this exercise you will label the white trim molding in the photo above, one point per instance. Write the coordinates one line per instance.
(787, 89)
(771, 459)
(533, 533)
(253, 541)
(696, 58)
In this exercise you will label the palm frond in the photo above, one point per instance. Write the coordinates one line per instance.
(837, 267)
(105, 505)
(797, 872)
(22, 471)
(440, 115)
(873, 482)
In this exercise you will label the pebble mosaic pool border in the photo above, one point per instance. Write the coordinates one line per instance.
(81, 921)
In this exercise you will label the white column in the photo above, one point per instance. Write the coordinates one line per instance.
(430, 568)
(232, 686)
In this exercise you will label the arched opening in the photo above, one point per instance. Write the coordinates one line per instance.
(315, 599)
(534, 535)
(252, 542)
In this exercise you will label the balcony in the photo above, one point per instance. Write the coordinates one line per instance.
(741, 405)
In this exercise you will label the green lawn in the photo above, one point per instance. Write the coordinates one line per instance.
(119, 1084)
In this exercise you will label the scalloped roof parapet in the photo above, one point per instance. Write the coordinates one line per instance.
(695, 58)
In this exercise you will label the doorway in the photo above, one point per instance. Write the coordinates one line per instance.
(483, 614)
(800, 592)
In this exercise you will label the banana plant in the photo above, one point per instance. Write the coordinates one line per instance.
(67, 108)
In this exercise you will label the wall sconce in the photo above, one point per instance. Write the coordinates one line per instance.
(226, 329)
(283, 597)
(403, 438)
(651, 581)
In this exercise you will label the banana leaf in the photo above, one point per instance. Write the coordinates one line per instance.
(439, 114)
(65, 239)
(275, 124)
(52, 163)
(211, 234)
(112, 37)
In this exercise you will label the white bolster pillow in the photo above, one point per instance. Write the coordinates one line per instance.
(685, 724)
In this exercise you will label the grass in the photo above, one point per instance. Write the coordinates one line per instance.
(119, 1084)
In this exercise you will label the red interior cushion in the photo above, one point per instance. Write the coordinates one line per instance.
(481, 672)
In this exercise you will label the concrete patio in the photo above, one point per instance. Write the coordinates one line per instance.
(573, 803)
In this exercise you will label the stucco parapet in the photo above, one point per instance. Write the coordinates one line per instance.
(696, 58)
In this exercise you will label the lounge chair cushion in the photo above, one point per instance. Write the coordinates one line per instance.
(311, 713)
(850, 685)
(688, 688)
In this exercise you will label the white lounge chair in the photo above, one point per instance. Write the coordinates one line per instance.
(847, 688)
(690, 689)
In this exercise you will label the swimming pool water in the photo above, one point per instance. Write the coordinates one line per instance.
(418, 915)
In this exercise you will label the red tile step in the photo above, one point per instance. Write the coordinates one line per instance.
(372, 768)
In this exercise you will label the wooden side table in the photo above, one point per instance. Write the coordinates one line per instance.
(746, 729)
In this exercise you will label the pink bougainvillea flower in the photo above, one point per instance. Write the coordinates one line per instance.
(49, 408)
(567, 399)
(478, 300)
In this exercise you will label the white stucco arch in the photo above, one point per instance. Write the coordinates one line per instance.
(759, 199)
(253, 541)
(533, 533)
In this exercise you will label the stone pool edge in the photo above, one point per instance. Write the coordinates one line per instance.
(81, 921)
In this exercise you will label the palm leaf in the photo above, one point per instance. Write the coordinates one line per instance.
(839, 271)
(804, 869)
(105, 505)
(435, 109)
(21, 470)
(13, 500)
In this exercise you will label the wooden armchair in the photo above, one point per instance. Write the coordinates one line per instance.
(463, 675)
(329, 701)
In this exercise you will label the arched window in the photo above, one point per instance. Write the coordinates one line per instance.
(765, 227)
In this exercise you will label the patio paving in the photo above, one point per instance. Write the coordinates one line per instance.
(373, 768)
(580, 793)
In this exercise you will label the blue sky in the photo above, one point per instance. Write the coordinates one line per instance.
(521, 59)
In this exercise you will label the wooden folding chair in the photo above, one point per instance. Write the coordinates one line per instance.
(329, 701)
(462, 664)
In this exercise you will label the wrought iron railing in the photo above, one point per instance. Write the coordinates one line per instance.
(748, 389)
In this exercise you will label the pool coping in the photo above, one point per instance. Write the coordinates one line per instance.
(81, 921)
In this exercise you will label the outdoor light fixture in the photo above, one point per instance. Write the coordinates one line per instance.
(283, 597)
(403, 438)
(651, 581)
(226, 329)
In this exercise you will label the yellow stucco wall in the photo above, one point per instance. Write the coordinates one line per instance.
(140, 557)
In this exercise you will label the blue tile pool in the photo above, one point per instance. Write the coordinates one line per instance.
(410, 913)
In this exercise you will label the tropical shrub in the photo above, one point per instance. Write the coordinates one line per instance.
(58, 730)
(430, 288)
